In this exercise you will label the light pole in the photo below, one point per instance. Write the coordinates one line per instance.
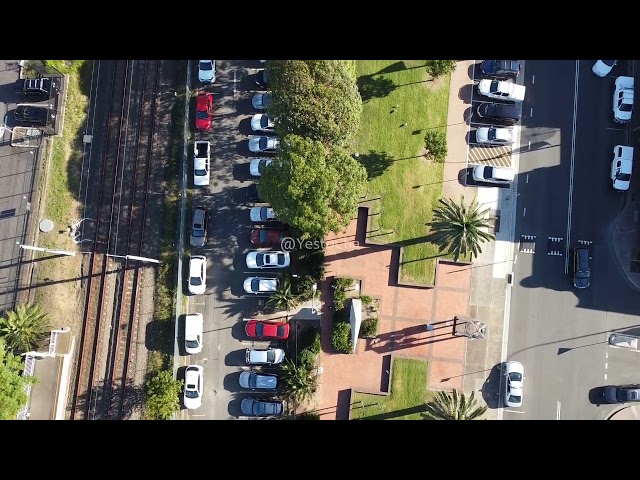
(314, 289)
(48, 250)
(134, 257)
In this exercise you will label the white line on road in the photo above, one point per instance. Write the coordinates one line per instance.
(234, 83)
(613, 128)
(558, 410)
(531, 112)
(513, 411)
(524, 212)
(529, 144)
(605, 376)
(515, 260)
(527, 178)
(533, 79)
(573, 158)
(606, 365)
(198, 415)
(606, 354)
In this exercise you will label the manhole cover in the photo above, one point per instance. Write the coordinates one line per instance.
(46, 225)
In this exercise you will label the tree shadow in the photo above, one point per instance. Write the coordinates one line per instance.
(394, 67)
(370, 87)
(375, 162)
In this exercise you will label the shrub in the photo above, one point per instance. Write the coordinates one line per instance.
(310, 339)
(340, 285)
(366, 299)
(368, 328)
(304, 287)
(309, 416)
(307, 359)
(343, 282)
(341, 337)
(437, 68)
(436, 144)
(311, 262)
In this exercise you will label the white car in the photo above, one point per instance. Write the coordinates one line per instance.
(201, 171)
(193, 328)
(491, 174)
(260, 101)
(267, 356)
(257, 165)
(495, 135)
(261, 122)
(263, 144)
(273, 259)
(621, 167)
(623, 99)
(193, 380)
(501, 90)
(262, 214)
(207, 71)
(197, 274)
(602, 68)
(261, 285)
(514, 379)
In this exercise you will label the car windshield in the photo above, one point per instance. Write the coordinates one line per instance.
(633, 395)
(488, 172)
(609, 63)
(264, 121)
(271, 356)
(281, 259)
(262, 165)
(515, 398)
(263, 143)
(491, 135)
(206, 66)
(255, 284)
(263, 213)
(259, 329)
(202, 114)
(266, 98)
(281, 330)
(199, 173)
(262, 236)
(515, 377)
(197, 233)
(625, 177)
(195, 281)
(625, 107)
(260, 259)
(190, 391)
(192, 343)
(621, 395)
(493, 88)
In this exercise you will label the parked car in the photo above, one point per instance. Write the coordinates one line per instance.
(260, 101)
(264, 356)
(32, 115)
(199, 223)
(624, 341)
(262, 214)
(581, 269)
(267, 329)
(623, 99)
(261, 285)
(495, 135)
(262, 78)
(501, 90)
(622, 167)
(272, 237)
(602, 68)
(514, 376)
(204, 111)
(207, 71)
(253, 195)
(500, 68)
(255, 407)
(257, 166)
(261, 122)
(262, 144)
(193, 386)
(258, 380)
(621, 393)
(197, 274)
(193, 330)
(37, 89)
(492, 174)
(201, 163)
(500, 111)
(272, 259)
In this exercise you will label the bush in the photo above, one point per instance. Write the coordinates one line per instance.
(341, 337)
(437, 68)
(307, 359)
(366, 299)
(309, 416)
(304, 287)
(368, 328)
(311, 262)
(340, 285)
(436, 144)
(310, 339)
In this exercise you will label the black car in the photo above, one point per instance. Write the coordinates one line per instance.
(262, 78)
(581, 269)
(500, 68)
(621, 393)
(37, 88)
(252, 193)
(31, 115)
(504, 112)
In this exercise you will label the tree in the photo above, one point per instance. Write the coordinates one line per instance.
(436, 68)
(458, 228)
(24, 328)
(162, 396)
(284, 298)
(436, 144)
(12, 394)
(299, 382)
(318, 99)
(454, 406)
(313, 188)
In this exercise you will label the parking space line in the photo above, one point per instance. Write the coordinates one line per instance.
(531, 112)
(480, 101)
(613, 128)
(513, 411)
(533, 79)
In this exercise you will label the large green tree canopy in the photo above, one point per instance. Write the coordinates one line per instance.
(313, 188)
(318, 99)
(12, 383)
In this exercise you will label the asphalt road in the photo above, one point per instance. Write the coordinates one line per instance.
(224, 304)
(557, 332)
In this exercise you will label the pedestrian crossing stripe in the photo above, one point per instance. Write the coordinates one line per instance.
(528, 237)
(556, 239)
(585, 242)
(554, 253)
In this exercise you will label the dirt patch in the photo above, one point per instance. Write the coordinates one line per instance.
(434, 83)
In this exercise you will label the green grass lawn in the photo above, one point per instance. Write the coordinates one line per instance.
(392, 154)
(407, 397)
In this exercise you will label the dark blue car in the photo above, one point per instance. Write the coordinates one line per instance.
(500, 68)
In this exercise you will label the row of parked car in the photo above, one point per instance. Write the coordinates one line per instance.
(261, 236)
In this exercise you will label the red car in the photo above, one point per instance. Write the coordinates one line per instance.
(267, 329)
(268, 236)
(204, 111)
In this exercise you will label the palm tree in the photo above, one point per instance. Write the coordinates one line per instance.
(458, 228)
(24, 328)
(454, 406)
(300, 382)
(284, 298)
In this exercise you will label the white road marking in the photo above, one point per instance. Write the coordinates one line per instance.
(533, 79)
(524, 212)
(234, 83)
(513, 411)
(198, 415)
(605, 376)
(527, 175)
(573, 158)
(606, 354)
(531, 112)
(616, 129)
(559, 406)
(529, 148)
(515, 260)
(606, 365)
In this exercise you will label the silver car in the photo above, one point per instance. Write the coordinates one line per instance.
(258, 380)
(264, 356)
(260, 101)
(198, 235)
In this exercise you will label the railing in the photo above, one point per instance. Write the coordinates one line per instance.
(29, 368)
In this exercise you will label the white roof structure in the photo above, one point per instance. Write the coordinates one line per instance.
(355, 319)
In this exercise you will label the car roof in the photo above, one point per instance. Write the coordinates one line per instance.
(503, 173)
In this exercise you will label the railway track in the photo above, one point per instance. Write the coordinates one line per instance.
(110, 315)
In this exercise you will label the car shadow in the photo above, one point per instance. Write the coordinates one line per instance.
(231, 382)
(236, 358)
(492, 387)
(473, 71)
(244, 127)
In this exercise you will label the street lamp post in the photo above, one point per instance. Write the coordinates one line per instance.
(314, 289)
(48, 250)
(135, 257)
